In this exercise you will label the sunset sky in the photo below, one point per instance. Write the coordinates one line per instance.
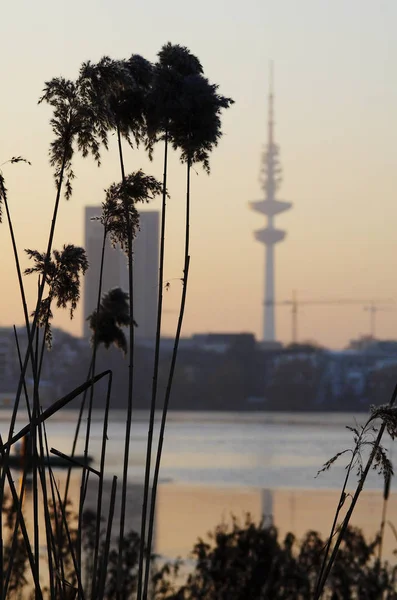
(336, 97)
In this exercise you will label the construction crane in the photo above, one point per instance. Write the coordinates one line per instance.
(370, 305)
(373, 309)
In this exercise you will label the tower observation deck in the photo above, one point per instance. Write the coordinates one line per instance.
(270, 206)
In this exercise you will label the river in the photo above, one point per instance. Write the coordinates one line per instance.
(218, 464)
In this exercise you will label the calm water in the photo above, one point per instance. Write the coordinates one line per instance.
(266, 450)
(218, 464)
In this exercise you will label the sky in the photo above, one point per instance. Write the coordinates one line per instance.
(335, 111)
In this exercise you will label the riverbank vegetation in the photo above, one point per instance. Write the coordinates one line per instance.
(234, 562)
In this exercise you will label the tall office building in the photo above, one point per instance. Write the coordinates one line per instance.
(115, 272)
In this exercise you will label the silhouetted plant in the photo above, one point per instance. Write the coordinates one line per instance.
(4, 200)
(18, 577)
(64, 545)
(121, 197)
(73, 122)
(62, 276)
(249, 562)
(115, 91)
(106, 325)
(366, 437)
(139, 103)
(121, 218)
(174, 63)
(194, 128)
(386, 494)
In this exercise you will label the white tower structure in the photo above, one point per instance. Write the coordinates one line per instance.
(270, 207)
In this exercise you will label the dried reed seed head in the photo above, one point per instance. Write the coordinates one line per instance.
(113, 314)
(119, 213)
(63, 277)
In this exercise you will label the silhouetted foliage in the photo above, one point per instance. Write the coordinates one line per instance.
(123, 197)
(250, 562)
(14, 549)
(196, 125)
(115, 91)
(113, 314)
(140, 103)
(73, 122)
(175, 62)
(185, 105)
(62, 276)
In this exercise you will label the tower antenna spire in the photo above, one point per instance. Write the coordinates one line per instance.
(270, 206)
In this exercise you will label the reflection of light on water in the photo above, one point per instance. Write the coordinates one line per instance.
(186, 513)
(237, 461)
(263, 464)
(255, 449)
(209, 461)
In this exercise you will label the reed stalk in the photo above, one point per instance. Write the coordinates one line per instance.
(155, 371)
(169, 386)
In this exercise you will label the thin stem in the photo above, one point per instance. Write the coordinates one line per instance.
(85, 474)
(35, 455)
(31, 336)
(130, 380)
(100, 487)
(70, 543)
(382, 528)
(337, 512)
(16, 259)
(18, 506)
(95, 345)
(76, 435)
(169, 386)
(155, 373)
(47, 519)
(58, 555)
(27, 325)
(14, 538)
(23, 483)
(51, 410)
(105, 557)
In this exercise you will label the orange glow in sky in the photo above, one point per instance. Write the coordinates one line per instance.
(335, 111)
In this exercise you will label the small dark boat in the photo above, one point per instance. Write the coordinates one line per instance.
(23, 458)
(18, 461)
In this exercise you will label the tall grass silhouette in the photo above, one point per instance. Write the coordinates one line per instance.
(142, 104)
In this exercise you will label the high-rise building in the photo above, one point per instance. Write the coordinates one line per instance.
(115, 271)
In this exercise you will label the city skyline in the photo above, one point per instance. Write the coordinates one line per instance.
(336, 97)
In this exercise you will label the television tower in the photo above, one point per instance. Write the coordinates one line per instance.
(270, 207)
